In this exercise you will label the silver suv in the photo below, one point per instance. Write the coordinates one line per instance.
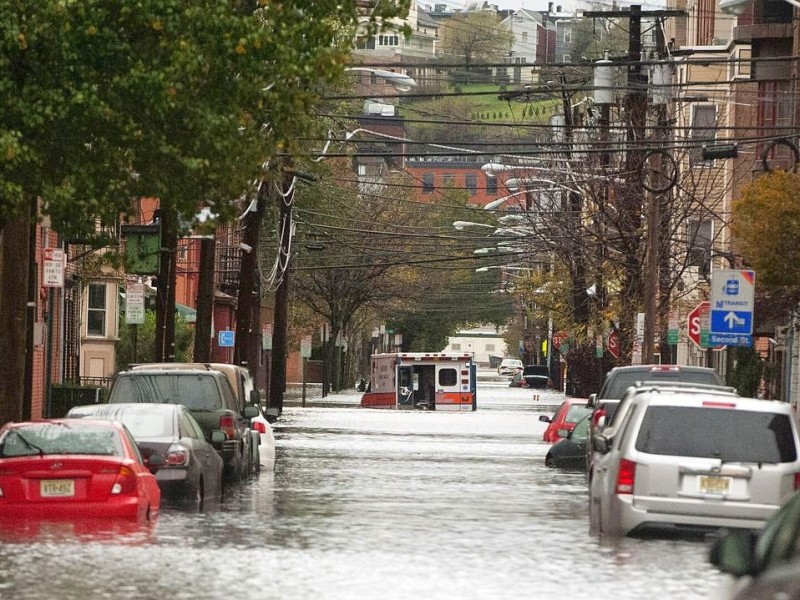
(693, 461)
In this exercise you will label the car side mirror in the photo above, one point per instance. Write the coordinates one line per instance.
(255, 397)
(155, 461)
(601, 444)
(218, 436)
(250, 411)
(272, 414)
(732, 553)
(592, 399)
(544, 418)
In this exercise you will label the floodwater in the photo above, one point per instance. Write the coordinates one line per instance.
(372, 504)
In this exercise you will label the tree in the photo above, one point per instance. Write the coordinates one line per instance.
(475, 37)
(184, 101)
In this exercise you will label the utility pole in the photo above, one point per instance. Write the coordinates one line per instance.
(248, 308)
(205, 300)
(277, 384)
(165, 295)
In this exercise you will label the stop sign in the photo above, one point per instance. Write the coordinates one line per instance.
(697, 318)
(612, 345)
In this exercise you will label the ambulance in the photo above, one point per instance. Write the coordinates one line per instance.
(422, 380)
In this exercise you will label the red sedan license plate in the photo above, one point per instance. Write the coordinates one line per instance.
(57, 488)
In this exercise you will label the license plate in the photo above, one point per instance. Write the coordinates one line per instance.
(57, 488)
(713, 484)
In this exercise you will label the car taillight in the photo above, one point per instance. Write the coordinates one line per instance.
(177, 456)
(626, 476)
(226, 425)
(125, 482)
(796, 483)
(259, 427)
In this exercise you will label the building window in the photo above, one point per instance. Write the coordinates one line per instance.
(490, 347)
(96, 315)
(365, 43)
(524, 36)
(699, 234)
(491, 185)
(455, 346)
(568, 35)
(427, 183)
(702, 132)
(388, 40)
(471, 182)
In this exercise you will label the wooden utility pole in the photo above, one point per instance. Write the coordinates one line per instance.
(165, 295)
(277, 382)
(248, 308)
(205, 300)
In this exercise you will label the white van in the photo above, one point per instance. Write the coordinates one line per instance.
(693, 461)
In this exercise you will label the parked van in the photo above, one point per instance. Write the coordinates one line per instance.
(694, 461)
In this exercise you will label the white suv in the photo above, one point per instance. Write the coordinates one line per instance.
(693, 461)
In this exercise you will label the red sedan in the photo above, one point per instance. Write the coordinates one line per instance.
(566, 416)
(74, 468)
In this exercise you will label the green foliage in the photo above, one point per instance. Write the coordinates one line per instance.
(766, 219)
(747, 372)
(145, 335)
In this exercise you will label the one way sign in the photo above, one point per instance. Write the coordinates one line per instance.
(732, 299)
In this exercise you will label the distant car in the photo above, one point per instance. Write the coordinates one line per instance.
(766, 563)
(261, 427)
(510, 366)
(518, 381)
(684, 460)
(71, 468)
(192, 472)
(537, 376)
(565, 418)
(570, 452)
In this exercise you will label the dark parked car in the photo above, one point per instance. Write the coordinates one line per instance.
(192, 469)
(537, 376)
(570, 452)
(766, 563)
(209, 397)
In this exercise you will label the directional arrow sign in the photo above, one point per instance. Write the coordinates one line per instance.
(732, 300)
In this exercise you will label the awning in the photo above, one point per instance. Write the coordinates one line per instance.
(187, 312)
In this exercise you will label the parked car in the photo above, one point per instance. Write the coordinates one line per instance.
(566, 416)
(766, 564)
(608, 413)
(570, 451)
(266, 440)
(518, 381)
(537, 376)
(192, 471)
(208, 395)
(694, 461)
(619, 379)
(69, 468)
(510, 366)
(243, 387)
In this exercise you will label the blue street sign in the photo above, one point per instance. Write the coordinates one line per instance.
(732, 302)
(226, 338)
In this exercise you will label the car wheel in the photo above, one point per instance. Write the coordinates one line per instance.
(548, 461)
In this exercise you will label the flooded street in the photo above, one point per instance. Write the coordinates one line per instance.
(374, 504)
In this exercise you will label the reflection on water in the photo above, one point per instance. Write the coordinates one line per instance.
(372, 504)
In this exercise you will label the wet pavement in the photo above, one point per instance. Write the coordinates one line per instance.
(372, 504)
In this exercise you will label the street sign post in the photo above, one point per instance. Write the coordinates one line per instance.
(226, 338)
(134, 303)
(732, 300)
(53, 272)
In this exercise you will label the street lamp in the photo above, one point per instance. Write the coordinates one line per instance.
(737, 7)
(400, 81)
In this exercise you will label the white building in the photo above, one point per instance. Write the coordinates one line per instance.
(484, 342)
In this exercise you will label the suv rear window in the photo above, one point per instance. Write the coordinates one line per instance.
(195, 392)
(623, 380)
(540, 370)
(730, 435)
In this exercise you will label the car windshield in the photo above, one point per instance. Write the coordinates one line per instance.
(576, 412)
(581, 430)
(538, 370)
(40, 439)
(142, 421)
(623, 380)
(195, 392)
(729, 435)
